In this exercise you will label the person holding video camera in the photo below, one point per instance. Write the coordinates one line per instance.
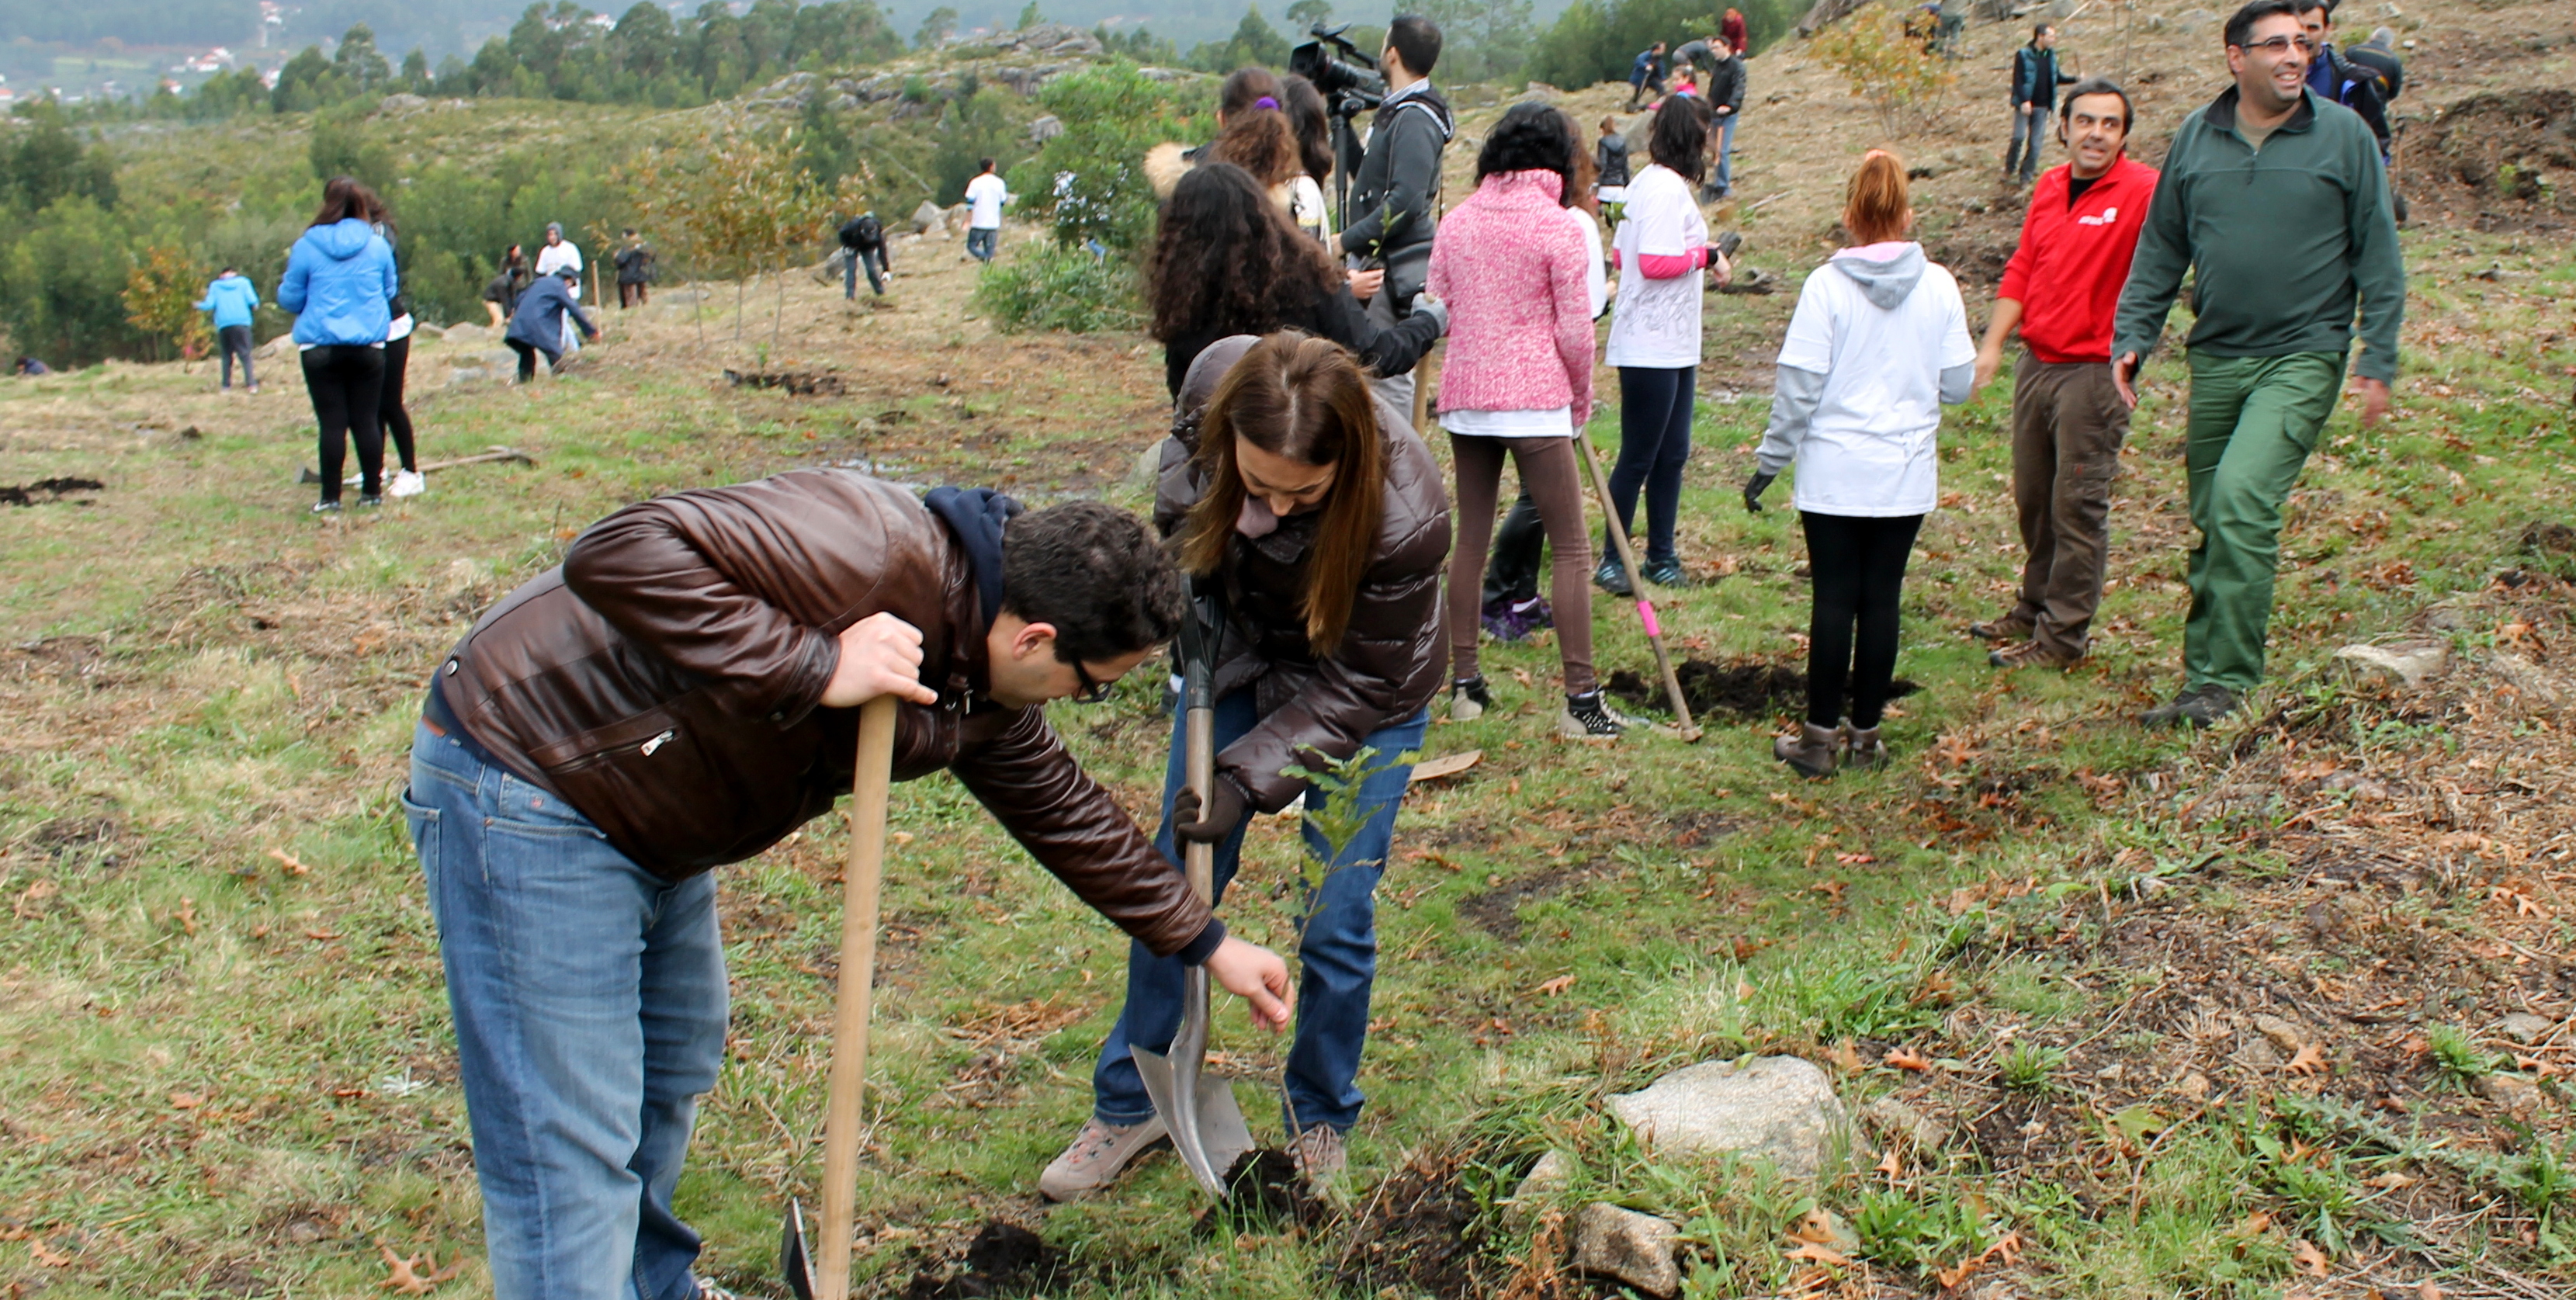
(1395, 189)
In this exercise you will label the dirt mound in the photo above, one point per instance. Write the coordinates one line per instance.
(1264, 1193)
(1418, 1234)
(2497, 161)
(49, 489)
(1747, 688)
(798, 382)
(1003, 1259)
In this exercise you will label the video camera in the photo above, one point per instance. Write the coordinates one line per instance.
(1348, 78)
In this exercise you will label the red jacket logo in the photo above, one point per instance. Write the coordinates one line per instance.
(2109, 215)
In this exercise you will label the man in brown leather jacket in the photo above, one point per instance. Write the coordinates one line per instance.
(682, 693)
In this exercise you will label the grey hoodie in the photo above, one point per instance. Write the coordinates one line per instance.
(1796, 393)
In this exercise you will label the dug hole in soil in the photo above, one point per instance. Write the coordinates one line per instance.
(1747, 688)
(47, 489)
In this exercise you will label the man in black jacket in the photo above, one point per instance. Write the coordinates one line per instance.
(863, 244)
(1726, 84)
(2034, 99)
(1395, 191)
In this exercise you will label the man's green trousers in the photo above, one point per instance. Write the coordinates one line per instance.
(2253, 422)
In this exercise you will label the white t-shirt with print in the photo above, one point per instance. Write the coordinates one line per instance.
(1870, 449)
(555, 257)
(985, 196)
(1656, 324)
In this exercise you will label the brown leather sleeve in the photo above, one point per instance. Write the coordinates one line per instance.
(1080, 835)
(745, 586)
(1376, 677)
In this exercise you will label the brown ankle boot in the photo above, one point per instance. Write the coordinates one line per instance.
(1862, 748)
(1811, 751)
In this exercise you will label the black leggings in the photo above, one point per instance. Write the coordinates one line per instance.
(1859, 568)
(1654, 446)
(389, 406)
(345, 381)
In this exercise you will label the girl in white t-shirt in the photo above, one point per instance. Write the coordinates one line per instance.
(1662, 248)
(1879, 342)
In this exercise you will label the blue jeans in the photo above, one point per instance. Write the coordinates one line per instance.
(850, 264)
(589, 997)
(1339, 953)
(979, 242)
(1726, 154)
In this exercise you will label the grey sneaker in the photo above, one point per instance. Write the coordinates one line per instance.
(1100, 1152)
(1320, 1154)
(1468, 699)
(2200, 706)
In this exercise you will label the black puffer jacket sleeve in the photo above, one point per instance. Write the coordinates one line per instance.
(1386, 350)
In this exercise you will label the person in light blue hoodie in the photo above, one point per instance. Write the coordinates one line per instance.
(232, 298)
(339, 281)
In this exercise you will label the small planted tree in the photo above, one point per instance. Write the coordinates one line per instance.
(161, 303)
(1894, 72)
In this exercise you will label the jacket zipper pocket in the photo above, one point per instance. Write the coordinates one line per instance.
(657, 742)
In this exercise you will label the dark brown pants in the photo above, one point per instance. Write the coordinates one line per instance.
(2067, 426)
(1547, 469)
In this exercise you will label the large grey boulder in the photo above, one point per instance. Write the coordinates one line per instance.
(1634, 1248)
(1776, 1108)
(926, 216)
(467, 336)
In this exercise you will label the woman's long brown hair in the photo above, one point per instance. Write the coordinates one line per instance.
(1304, 398)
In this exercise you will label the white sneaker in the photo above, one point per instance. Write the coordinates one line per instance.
(1100, 1152)
(407, 483)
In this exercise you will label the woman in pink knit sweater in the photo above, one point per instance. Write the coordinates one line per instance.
(1512, 268)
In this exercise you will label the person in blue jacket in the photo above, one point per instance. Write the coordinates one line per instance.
(537, 324)
(232, 298)
(339, 279)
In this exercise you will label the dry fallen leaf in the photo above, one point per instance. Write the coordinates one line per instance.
(1846, 1058)
(2308, 1061)
(2312, 1261)
(186, 1100)
(2389, 1182)
(1887, 1164)
(1816, 1253)
(2428, 1291)
(47, 1255)
(407, 1277)
(2251, 1226)
(1555, 986)
(287, 860)
(1814, 1226)
(1906, 1059)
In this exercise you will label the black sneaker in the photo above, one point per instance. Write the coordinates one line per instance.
(1664, 573)
(1590, 717)
(1610, 577)
(2200, 706)
(1468, 699)
(326, 507)
(370, 502)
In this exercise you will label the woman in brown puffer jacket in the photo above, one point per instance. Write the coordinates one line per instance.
(1319, 515)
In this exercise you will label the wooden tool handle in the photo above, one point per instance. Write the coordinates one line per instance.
(841, 1123)
(1637, 583)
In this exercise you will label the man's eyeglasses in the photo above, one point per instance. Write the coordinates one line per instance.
(2280, 45)
(1091, 692)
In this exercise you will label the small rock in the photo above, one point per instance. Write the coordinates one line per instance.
(2194, 1085)
(1045, 128)
(1778, 1108)
(2518, 1095)
(2284, 1035)
(1634, 1248)
(1893, 1118)
(2404, 665)
(304, 1232)
(1544, 1182)
(2524, 1027)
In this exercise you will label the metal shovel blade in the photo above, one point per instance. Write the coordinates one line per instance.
(793, 1260)
(1206, 1125)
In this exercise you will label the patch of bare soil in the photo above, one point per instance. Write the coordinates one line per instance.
(1747, 688)
(1003, 1259)
(47, 490)
(2498, 160)
(1497, 911)
(1265, 1193)
(1416, 1234)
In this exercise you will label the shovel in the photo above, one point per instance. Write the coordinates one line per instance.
(1682, 724)
(1198, 1108)
(307, 476)
(849, 1021)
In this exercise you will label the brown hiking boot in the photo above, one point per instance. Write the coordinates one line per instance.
(1321, 1154)
(2011, 627)
(1100, 1152)
(2024, 653)
(1814, 751)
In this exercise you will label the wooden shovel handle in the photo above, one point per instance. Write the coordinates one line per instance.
(841, 1122)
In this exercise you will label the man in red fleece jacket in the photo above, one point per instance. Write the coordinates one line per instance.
(2062, 289)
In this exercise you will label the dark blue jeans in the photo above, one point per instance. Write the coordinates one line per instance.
(1654, 447)
(851, 264)
(589, 997)
(979, 241)
(1338, 955)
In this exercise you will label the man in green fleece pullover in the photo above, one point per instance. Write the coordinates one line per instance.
(2277, 204)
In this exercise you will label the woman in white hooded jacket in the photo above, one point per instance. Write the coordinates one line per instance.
(1878, 344)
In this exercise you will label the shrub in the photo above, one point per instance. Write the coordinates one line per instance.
(1061, 289)
(1112, 115)
(1890, 69)
(161, 302)
(1595, 40)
